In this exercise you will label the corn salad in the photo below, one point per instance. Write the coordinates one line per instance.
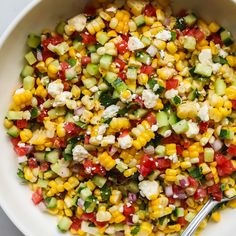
(125, 120)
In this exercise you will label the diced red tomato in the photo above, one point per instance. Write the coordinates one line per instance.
(88, 38)
(215, 191)
(171, 200)
(163, 164)
(76, 224)
(37, 196)
(21, 124)
(72, 129)
(232, 150)
(98, 169)
(44, 166)
(64, 66)
(179, 149)
(85, 60)
(101, 224)
(125, 37)
(128, 210)
(171, 139)
(140, 101)
(22, 151)
(233, 104)
(195, 32)
(42, 115)
(200, 193)
(88, 217)
(181, 220)
(46, 54)
(120, 64)
(15, 141)
(92, 169)
(58, 142)
(209, 176)
(186, 143)
(151, 118)
(203, 126)
(149, 10)
(183, 203)
(32, 162)
(66, 86)
(201, 157)
(122, 47)
(124, 133)
(122, 75)
(52, 40)
(172, 84)
(215, 38)
(147, 164)
(193, 182)
(224, 165)
(86, 139)
(148, 70)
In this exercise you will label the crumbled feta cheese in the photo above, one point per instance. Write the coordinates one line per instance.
(76, 118)
(149, 189)
(55, 88)
(215, 67)
(135, 218)
(78, 22)
(21, 144)
(125, 142)
(192, 130)
(102, 129)
(61, 99)
(149, 98)
(154, 128)
(110, 111)
(26, 115)
(107, 140)
(156, 87)
(203, 113)
(152, 51)
(169, 94)
(135, 44)
(164, 35)
(79, 153)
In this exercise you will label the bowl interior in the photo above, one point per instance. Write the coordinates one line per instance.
(16, 199)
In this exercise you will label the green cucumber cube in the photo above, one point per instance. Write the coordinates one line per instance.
(180, 127)
(162, 119)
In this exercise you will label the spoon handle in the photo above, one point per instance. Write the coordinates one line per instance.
(206, 209)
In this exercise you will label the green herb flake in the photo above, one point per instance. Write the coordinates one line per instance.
(105, 193)
(196, 173)
(135, 230)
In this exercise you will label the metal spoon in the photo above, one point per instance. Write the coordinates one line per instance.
(206, 209)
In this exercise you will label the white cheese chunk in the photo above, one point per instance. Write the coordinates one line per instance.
(203, 113)
(149, 98)
(110, 111)
(79, 153)
(55, 88)
(125, 142)
(192, 130)
(135, 44)
(149, 189)
(164, 35)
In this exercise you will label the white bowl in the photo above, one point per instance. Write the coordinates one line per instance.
(16, 199)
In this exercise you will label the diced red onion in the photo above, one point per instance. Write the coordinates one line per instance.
(39, 55)
(112, 150)
(180, 195)
(169, 191)
(80, 202)
(217, 145)
(184, 182)
(79, 111)
(150, 150)
(132, 197)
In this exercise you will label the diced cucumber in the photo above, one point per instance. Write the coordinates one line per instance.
(180, 127)
(102, 37)
(190, 19)
(70, 73)
(189, 43)
(13, 131)
(146, 41)
(28, 82)
(60, 28)
(119, 85)
(139, 20)
(219, 59)
(51, 202)
(179, 212)
(110, 77)
(92, 69)
(203, 70)
(163, 130)
(176, 100)
(105, 61)
(99, 180)
(160, 150)
(15, 115)
(85, 193)
(95, 58)
(220, 86)
(69, 117)
(226, 134)
(90, 204)
(81, 124)
(139, 113)
(33, 40)
(30, 58)
(91, 48)
(131, 73)
(115, 94)
(132, 187)
(162, 119)
(64, 224)
(27, 71)
(226, 37)
(121, 166)
(89, 82)
(42, 183)
(58, 111)
(193, 95)
(40, 156)
(78, 45)
(208, 154)
(52, 156)
(143, 58)
(172, 118)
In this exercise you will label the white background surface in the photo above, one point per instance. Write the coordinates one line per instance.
(9, 9)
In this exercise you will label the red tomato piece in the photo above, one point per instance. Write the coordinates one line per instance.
(149, 10)
(195, 32)
(151, 118)
(201, 158)
(172, 84)
(215, 38)
(43, 114)
(179, 149)
(181, 220)
(64, 66)
(72, 129)
(46, 54)
(163, 164)
(193, 182)
(37, 196)
(120, 64)
(209, 176)
(122, 75)
(22, 151)
(233, 104)
(32, 162)
(232, 150)
(52, 40)
(15, 141)
(128, 210)
(140, 101)
(101, 224)
(98, 169)
(58, 142)
(203, 126)
(200, 193)
(215, 191)
(85, 60)
(220, 159)
(86, 139)
(122, 47)
(88, 38)
(147, 164)
(148, 70)
(124, 133)
(171, 139)
(44, 166)
(76, 224)
(21, 124)
(88, 217)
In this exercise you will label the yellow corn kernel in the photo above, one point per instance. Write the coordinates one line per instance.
(26, 135)
(231, 92)
(72, 52)
(125, 94)
(61, 132)
(41, 67)
(215, 114)
(130, 172)
(159, 105)
(161, 45)
(52, 211)
(68, 212)
(79, 212)
(86, 92)
(91, 185)
(52, 68)
(142, 79)
(115, 197)
(29, 175)
(170, 149)
(8, 123)
(106, 161)
(213, 27)
(193, 154)
(145, 228)
(171, 172)
(231, 60)
(215, 216)
(49, 60)
(232, 204)
(41, 91)
(170, 178)
(171, 47)
(185, 164)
